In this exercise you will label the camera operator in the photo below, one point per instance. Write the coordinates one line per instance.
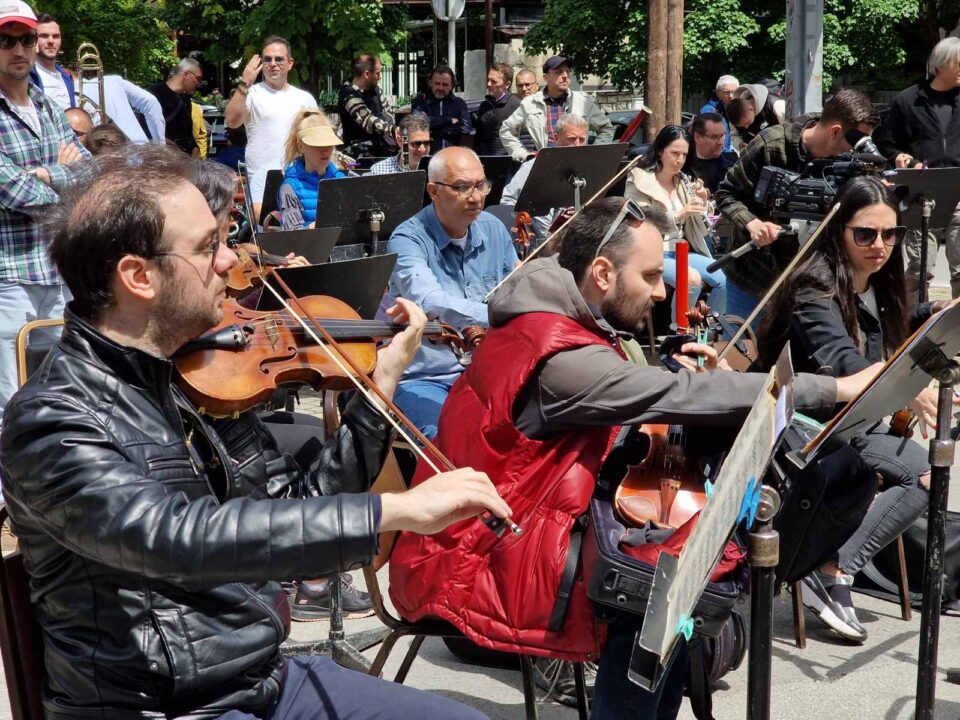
(786, 146)
(923, 129)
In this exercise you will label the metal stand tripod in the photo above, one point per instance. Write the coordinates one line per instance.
(763, 555)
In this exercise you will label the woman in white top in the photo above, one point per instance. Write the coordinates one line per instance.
(658, 181)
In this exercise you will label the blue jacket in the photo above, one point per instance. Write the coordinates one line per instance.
(307, 185)
(67, 80)
(715, 106)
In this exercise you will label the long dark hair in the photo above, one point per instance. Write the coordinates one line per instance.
(828, 271)
(651, 159)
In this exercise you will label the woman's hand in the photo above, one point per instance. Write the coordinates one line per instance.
(694, 207)
(296, 260)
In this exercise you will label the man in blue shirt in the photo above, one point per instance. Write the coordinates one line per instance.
(726, 85)
(450, 255)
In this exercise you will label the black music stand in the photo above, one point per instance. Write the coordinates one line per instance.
(314, 244)
(270, 189)
(369, 208)
(359, 283)
(495, 167)
(561, 175)
(927, 199)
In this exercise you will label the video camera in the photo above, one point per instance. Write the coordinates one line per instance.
(809, 194)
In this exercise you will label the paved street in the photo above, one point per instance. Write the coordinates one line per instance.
(828, 679)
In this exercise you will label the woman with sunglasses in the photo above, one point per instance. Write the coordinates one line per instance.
(658, 182)
(309, 157)
(844, 310)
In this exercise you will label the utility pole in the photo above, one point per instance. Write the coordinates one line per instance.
(674, 89)
(804, 58)
(655, 88)
(488, 32)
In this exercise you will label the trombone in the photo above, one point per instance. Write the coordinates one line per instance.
(90, 71)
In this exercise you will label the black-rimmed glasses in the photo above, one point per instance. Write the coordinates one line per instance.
(631, 209)
(212, 249)
(465, 190)
(865, 236)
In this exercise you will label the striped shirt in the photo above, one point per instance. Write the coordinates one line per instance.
(24, 256)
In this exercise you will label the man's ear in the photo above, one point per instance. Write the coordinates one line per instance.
(600, 273)
(433, 190)
(136, 276)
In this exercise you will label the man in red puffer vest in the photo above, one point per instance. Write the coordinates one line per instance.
(535, 410)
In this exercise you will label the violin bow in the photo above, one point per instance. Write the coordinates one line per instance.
(536, 251)
(801, 253)
(364, 385)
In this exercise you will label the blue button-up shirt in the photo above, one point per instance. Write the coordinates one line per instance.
(447, 282)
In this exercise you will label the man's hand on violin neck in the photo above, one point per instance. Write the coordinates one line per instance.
(694, 350)
(441, 501)
(394, 357)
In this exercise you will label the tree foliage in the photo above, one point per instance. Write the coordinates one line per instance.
(865, 42)
(130, 34)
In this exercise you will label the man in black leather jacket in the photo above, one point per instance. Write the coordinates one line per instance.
(153, 538)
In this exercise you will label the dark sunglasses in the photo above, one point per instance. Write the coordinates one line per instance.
(8, 42)
(864, 236)
(279, 60)
(419, 143)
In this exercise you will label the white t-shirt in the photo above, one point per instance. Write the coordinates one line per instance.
(54, 87)
(30, 115)
(271, 114)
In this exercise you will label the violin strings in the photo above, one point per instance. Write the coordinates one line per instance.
(338, 361)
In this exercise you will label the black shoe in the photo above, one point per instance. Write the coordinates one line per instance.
(310, 606)
(556, 677)
(829, 597)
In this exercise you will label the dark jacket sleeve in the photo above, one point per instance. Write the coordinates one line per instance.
(65, 470)
(893, 135)
(820, 342)
(735, 194)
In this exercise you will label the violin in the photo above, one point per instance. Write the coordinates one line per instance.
(524, 233)
(240, 362)
(247, 273)
(666, 487)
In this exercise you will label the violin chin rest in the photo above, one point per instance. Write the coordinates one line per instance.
(637, 510)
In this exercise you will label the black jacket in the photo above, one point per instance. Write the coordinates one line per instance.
(177, 114)
(443, 131)
(912, 127)
(490, 116)
(152, 540)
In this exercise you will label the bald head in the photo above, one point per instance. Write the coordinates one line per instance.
(80, 122)
(450, 161)
(457, 188)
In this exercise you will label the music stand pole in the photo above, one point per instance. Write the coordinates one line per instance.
(928, 206)
(763, 554)
(578, 182)
(941, 459)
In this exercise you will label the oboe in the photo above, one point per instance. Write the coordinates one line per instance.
(692, 195)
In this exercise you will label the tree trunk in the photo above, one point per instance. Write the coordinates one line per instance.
(655, 88)
(674, 92)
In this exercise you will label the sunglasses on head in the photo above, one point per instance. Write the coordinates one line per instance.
(28, 40)
(631, 209)
(865, 237)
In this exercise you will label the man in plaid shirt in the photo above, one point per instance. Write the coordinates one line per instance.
(416, 127)
(36, 145)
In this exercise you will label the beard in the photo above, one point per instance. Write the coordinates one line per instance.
(182, 312)
(623, 312)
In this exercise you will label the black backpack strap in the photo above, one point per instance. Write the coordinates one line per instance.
(698, 681)
(569, 577)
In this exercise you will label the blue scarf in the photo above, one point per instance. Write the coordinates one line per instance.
(307, 185)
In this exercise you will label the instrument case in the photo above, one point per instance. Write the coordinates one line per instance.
(619, 581)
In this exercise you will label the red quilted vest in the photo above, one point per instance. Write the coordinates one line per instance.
(500, 591)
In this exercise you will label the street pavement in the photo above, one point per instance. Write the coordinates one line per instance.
(829, 679)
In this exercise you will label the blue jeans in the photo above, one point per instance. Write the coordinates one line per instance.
(319, 689)
(715, 281)
(741, 303)
(21, 304)
(422, 401)
(615, 697)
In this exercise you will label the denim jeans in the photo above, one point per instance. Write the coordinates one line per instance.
(319, 689)
(21, 304)
(900, 462)
(716, 281)
(422, 401)
(615, 697)
(741, 303)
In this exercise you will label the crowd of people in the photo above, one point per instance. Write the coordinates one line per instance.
(158, 539)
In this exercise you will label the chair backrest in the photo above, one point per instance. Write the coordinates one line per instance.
(24, 366)
(21, 640)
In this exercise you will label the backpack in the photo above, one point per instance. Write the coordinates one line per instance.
(773, 86)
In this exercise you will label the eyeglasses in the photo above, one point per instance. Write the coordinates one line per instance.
(420, 144)
(629, 208)
(9, 42)
(713, 138)
(465, 190)
(79, 133)
(279, 60)
(199, 78)
(865, 237)
(212, 249)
